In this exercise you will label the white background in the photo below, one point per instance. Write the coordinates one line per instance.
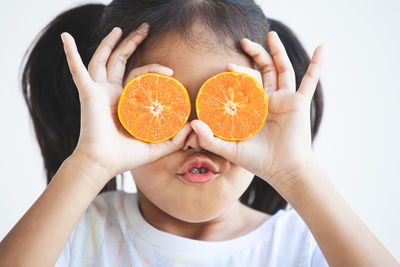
(358, 143)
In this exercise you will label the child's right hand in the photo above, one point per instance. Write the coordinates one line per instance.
(102, 138)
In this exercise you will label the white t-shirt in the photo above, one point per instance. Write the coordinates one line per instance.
(112, 232)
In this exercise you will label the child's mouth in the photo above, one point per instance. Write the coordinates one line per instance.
(198, 169)
(199, 175)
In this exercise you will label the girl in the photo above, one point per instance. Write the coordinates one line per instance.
(238, 216)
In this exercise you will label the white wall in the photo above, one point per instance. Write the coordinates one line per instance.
(358, 142)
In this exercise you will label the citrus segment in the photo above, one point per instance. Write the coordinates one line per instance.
(154, 107)
(233, 104)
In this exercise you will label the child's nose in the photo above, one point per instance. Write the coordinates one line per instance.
(193, 115)
(192, 142)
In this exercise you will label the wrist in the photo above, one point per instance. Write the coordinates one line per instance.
(292, 183)
(87, 168)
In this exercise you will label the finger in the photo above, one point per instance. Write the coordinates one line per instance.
(286, 76)
(226, 149)
(154, 68)
(167, 147)
(310, 79)
(97, 65)
(78, 70)
(179, 139)
(264, 62)
(117, 63)
(252, 72)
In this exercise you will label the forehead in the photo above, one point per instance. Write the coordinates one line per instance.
(192, 64)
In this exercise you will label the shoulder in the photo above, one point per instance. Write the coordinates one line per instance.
(289, 227)
(98, 226)
(106, 201)
(291, 236)
(102, 218)
(289, 220)
(102, 207)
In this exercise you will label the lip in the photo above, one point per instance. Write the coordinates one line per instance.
(198, 161)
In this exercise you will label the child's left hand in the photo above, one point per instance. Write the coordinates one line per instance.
(283, 145)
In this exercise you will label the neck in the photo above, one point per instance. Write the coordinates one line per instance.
(232, 223)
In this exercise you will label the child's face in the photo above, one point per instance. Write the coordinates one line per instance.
(158, 181)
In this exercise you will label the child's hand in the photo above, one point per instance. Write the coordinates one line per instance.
(284, 142)
(102, 138)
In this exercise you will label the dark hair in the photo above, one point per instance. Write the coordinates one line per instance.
(52, 96)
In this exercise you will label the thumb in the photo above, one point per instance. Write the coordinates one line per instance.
(158, 150)
(207, 140)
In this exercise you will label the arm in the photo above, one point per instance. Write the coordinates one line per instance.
(47, 225)
(281, 154)
(104, 150)
(342, 237)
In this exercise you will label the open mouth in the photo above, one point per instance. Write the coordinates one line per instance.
(198, 170)
(199, 175)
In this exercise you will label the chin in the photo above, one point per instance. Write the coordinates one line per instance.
(200, 213)
(168, 196)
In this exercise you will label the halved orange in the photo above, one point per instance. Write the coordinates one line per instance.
(154, 107)
(233, 104)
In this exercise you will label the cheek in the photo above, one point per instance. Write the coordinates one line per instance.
(150, 178)
(192, 203)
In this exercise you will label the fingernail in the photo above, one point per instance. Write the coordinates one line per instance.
(116, 29)
(274, 32)
(194, 127)
(144, 25)
(246, 41)
(62, 37)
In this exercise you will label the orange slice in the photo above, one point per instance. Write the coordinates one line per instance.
(233, 104)
(154, 107)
